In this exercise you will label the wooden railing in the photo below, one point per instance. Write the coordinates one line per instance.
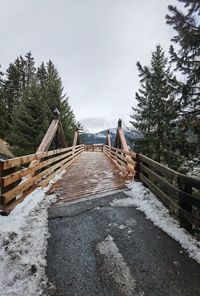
(94, 147)
(15, 180)
(125, 161)
(180, 193)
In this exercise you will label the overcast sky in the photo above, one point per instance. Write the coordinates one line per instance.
(94, 44)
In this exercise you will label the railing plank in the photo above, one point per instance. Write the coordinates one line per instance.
(5, 181)
(129, 153)
(171, 189)
(176, 209)
(189, 181)
(19, 189)
(10, 163)
(169, 173)
(120, 158)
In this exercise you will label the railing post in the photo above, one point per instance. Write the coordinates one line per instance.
(137, 167)
(0, 182)
(108, 141)
(184, 205)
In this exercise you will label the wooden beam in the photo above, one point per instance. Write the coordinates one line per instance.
(76, 138)
(108, 141)
(48, 138)
(124, 145)
(61, 135)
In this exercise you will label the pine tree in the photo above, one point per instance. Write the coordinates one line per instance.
(29, 69)
(13, 87)
(30, 121)
(30, 97)
(186, 57)
(56, 99)
(42, 77)
(3, 123)
(156, 109)
(68, 120)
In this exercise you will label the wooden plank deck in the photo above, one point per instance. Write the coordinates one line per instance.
(91, 173)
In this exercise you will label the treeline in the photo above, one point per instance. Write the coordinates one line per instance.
(168, 101)
(28, 96)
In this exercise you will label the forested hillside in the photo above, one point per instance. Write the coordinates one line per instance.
(28, 96)
(168, 100)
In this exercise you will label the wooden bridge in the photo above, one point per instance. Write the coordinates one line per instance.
(92, 169)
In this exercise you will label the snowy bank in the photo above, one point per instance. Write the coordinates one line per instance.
(191, 168)
(144, 200)
(23, 243)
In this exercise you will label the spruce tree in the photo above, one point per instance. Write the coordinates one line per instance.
(156, 109)
(29, 69)
(55, 98)
(3, 123)
(29, 97)
(30, 121)
(13, 85)
(186, 57)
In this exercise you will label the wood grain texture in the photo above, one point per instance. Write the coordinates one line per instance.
(91, 173)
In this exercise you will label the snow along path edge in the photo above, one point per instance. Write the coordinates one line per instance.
(23, 244)
(144, 200)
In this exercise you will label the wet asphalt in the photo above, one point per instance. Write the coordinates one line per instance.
(158, 264)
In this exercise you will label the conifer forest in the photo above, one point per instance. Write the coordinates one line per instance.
(28, 97)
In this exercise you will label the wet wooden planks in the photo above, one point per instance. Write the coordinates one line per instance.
(91, 173)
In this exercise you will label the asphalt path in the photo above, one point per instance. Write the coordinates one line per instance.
(96, 249)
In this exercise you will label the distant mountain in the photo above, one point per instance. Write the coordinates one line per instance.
(100, 137)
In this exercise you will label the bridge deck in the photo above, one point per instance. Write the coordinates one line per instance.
(91, 173)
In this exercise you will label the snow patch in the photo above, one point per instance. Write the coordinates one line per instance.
(191, 168)
(23, 243)
(116, 268)
(144, 200)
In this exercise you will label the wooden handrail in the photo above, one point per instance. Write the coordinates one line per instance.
(178, 192)
(124, 160)
(94, 147)
(44, 167)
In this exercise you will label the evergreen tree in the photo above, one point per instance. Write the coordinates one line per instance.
(27, 99)
(186, 57)
(3, 123)
(29, 69)
(53, 93)
(68, 120)
(42, 77)
(156, 110)
(13, 87)
(30, 121)
(18, 79)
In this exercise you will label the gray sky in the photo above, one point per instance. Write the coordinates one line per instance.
(94, 44)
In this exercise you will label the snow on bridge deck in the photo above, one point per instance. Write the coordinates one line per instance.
(91, 173)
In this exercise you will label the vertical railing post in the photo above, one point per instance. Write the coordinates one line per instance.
(137, 166)
(184, 204)
(0, 182)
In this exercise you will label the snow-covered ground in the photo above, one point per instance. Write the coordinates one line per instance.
(23, 243)
(192, 168)
(145, 201)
